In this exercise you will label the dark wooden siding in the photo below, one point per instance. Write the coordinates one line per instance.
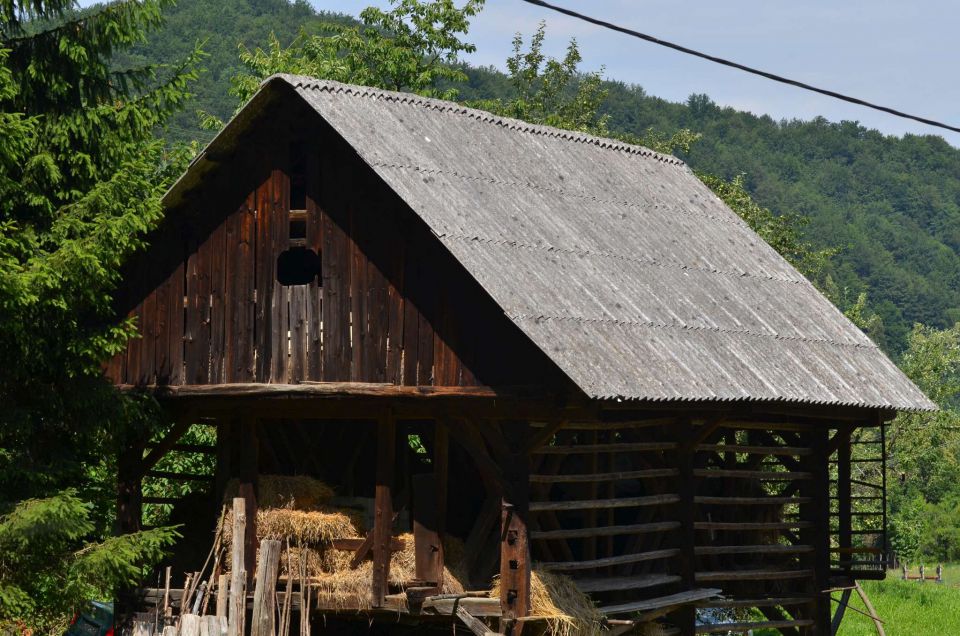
(393, 305)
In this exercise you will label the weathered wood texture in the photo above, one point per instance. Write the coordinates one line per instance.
(390, 304)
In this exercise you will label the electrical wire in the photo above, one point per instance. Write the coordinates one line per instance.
(742, 67)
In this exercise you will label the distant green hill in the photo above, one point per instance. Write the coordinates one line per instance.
(892, 205)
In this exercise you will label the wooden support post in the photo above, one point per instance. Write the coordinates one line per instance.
(129, 488)
(428, 551)
(248, 451)
(383, 508)
(514, 538)
(238, 575)
(265, 593)
(844, 501)
(223, 588)
(189, 625)
(818, 535)
(685, 617)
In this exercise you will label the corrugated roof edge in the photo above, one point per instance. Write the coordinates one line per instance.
(306, 82)
(782, 401)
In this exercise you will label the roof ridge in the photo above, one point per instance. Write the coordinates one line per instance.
(307, 82)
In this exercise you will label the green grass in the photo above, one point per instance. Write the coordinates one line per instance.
(908, 608)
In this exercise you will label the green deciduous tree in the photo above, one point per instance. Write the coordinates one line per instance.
(412, 47)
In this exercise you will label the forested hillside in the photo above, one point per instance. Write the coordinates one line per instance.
(890, 205)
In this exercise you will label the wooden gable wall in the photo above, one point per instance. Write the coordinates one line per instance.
(393, 305)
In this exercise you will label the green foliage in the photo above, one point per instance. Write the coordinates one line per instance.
(49, 569)
(413, 47)
(184, 463)
(81, 176)
(924, 460)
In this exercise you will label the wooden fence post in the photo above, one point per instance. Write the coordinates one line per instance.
(223, 588)
(238, 576)
(265, 593)
(383, 508)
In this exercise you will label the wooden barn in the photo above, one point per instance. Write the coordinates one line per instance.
(564, 351)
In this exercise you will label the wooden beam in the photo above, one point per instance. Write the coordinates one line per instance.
(163, 446)
(428, 551)
(383, 508)
(265, 592)
(515, 566)
(543, 435)
(330, 389)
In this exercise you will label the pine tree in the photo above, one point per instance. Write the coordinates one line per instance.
(81, 176)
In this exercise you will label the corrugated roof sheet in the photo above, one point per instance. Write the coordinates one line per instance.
(618, 262)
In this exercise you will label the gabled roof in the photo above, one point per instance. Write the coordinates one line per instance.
(627, 271)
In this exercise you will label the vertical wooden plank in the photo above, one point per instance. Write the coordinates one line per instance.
(198, 308)
(134, 345)
(336, 272)
(358, 292)
(265, 277)
(223, 588)
(298, 333)
(515, 564)
(395, 302)
(376, 346)
(427, 548)
(685, 618)
(411, 313)
(280, 296)
(241, 255)
(162, 345)
(383, 508)
(844, 502)
(314, 367)
(238, 575)
(176, 317)
(427, 284)
(217, 246)
(265, 592)
(248, 449)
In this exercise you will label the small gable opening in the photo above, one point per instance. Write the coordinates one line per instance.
(298, 266)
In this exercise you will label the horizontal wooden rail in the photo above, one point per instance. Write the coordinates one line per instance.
(673, 600)
(605, 531)
(625, 447)
(758, 602)
(609, 426)
(649, 473)
(725, 628)
(752, 474)
(189, 448)
(589, 564)
(756, 450)
(704, 550)
(750, 525)
(618, 583)
(751, 575)
(162, 474)
(602, 504)
(752, 501)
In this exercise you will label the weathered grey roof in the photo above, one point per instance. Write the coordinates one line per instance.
(628, 272)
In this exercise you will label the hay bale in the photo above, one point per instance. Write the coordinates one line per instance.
(559, 602)
(295, 492)
(304, 528)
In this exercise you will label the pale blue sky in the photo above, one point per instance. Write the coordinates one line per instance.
(900, 53)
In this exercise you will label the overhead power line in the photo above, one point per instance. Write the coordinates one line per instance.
(742, 67)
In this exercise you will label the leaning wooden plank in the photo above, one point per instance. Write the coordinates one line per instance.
(477, 606)
(617, 583)
(752, 575)
(607, 561)
(649, 473)
(628, 502)
(475, 625)
(672, 600)
(606, 531)
(745, 627)
(265, 593)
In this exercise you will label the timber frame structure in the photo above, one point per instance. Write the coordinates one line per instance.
(683, 433)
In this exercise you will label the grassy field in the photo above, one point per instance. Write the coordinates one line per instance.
(908, 608)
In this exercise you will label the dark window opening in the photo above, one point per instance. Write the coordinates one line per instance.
(298, 229)
(298, 266)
